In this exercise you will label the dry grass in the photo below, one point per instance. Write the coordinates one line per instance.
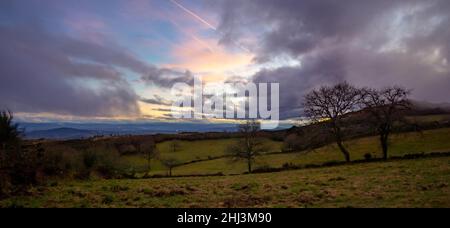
(408, 183)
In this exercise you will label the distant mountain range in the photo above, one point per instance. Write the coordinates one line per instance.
(62, 133)
(55, 130)
(430, 105)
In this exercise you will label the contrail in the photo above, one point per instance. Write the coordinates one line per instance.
(207, 24)
(203, 43)
(194, 15)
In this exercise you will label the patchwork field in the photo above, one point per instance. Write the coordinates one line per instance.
(187, 151)
(422, 182)
(405, 183)
(401, 144)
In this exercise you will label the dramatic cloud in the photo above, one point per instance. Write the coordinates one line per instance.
(166, 77)
(157, 100)
(46, 68)
(326, 68)
(42, 72)
(369, 43)
(95, 59)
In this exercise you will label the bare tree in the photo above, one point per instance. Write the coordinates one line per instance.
(170, 163)
(291, 143)
(329, 105)
(386, 107)
(137, 146)
(249, 146)
(151, 152)
(175, 146)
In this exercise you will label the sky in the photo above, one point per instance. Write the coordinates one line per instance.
(65, 60)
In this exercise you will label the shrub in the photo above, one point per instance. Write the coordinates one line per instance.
(107, 199)
(20, 167)
(368, 156)
(52, 164)
(291, 143)
(288, 165)
(105, 163)
(89, 159)
(108, 164)
(60, 161)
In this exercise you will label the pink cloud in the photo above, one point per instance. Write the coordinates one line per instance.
(208, 58)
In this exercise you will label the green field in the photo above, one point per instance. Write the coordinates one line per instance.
(405, 183)
(204, 149)
(189, 151)
(401, 144)
(421, 182)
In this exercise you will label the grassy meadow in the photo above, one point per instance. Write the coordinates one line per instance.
(405, 183)
(422, 182)
(188, 151)
(401, 144)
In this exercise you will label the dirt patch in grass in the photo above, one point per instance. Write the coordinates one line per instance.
(243, 201)
(163, 192)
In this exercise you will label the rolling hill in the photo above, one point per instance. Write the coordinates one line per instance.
(62, 133)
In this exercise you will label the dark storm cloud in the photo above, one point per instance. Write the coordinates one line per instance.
(43, 72)
(39, 71)
(299, 26)
(326, 68)
(368, 43)
(44, 69)
(157, 100)
(167, 77)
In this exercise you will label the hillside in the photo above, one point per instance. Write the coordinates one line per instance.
(419, 182)
(407, 183)
(63, 130)
(62, 133)
(200, 157)
(401, 144)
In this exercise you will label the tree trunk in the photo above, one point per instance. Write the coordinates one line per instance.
(344, 151)
(337, 132)
(170, 172)
(138, 148)
(249, 164)
(384, 145)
